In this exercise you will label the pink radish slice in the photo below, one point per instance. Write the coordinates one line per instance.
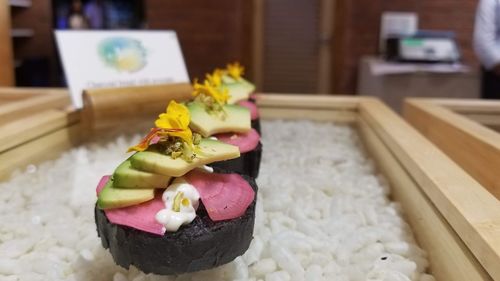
(245, 141)
(101, 184)
(254, 111)
(225, 196)
(140, 216)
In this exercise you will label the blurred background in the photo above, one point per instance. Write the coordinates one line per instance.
(292, 46)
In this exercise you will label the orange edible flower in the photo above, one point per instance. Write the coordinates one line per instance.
(144, 143)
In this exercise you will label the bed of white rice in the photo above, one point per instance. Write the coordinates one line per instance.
(322, 214)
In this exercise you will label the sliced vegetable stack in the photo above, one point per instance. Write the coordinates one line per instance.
(240, 91)
(239, 88)
(170, 150)
(213, 115)
(163, 210)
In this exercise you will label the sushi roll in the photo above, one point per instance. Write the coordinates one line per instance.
(250, 153)
(213, 116)
(254, 114)
(164, 212)
(240, 90)
(199, 245)
(232, 78)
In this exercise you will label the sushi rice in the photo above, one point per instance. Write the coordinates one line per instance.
(322, 213)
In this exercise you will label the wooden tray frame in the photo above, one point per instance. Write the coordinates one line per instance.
(453, 218)
(465, 131)
(468, 132)
(484, 112)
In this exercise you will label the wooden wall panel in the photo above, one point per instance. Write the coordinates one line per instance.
(6, 56)
(291, 46)
(357, 25)
(211, 33)
(40, 46)
(37, 17)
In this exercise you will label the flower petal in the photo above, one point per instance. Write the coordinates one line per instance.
(215, 79)
(235, 70)
(185, 135)
(180, 112)
(146, 141)
(175, 122)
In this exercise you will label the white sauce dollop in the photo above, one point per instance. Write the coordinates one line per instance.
(188, 197)
(207, 168)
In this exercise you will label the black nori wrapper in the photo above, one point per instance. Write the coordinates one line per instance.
(247, 164)
(256, 125)
(256, 122)
(200, 245)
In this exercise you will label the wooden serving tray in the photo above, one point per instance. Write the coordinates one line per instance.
(468, 131)
(453, 218)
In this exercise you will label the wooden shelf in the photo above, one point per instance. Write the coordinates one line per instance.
(21, 32)
(20, 3)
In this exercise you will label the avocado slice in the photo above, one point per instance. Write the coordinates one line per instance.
(239, 90)
(237, 120)
(112, 197)
(158, 163)
(127, 177)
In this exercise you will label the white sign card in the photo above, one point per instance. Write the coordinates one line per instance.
(397, 23)
(108, 59)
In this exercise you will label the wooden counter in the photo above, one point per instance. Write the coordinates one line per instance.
(394, 88)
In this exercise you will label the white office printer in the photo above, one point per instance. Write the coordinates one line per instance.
(424, 46)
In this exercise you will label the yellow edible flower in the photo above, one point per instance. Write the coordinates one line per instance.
(219, 95)
(235, 70)
(215, 79)
(175, 122)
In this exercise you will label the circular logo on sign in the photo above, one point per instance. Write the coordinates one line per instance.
(122, 53)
